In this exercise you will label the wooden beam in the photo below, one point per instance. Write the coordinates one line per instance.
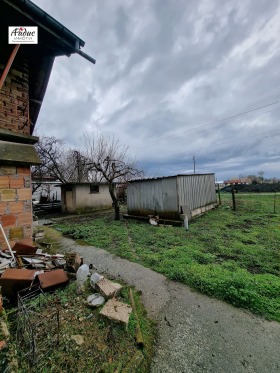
(8, 65)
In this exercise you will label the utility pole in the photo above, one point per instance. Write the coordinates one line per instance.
(193, 164)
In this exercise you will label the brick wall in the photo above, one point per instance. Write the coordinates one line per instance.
(15, 204)
(14, 100)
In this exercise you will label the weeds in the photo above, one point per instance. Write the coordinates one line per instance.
(107, 347)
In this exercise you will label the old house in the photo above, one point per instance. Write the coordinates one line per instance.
(170, 197)
(24, 73)
(82, 197)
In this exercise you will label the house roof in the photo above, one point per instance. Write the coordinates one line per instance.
(83, 183)
(53, 40)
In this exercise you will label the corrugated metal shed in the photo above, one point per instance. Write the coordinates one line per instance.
(171, 196)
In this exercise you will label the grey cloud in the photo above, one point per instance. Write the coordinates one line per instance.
(150, 50)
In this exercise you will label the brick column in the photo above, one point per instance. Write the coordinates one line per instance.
(15, 204)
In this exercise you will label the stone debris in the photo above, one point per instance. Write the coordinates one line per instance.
(79, 339)
(95, 300)
(153, 219)
(117, 311)
(107, 288)
(25, 265)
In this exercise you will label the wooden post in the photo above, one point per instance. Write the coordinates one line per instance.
(274, 210)
(219, 194)
(8, 65)
(233, 197)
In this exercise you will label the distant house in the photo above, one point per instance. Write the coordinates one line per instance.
(171, 196)
(83, 197)
(45, 189)
(24, 75)
(242, 181)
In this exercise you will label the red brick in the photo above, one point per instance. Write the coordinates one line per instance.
(16, 207)
(23, 171)
(24, 194)
(24, 218)
(27, 241)
(4, 182)
(8, 220)
(16, 182)
(3, 244)
(3, 208)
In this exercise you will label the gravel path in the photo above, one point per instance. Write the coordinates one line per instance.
(196, 333)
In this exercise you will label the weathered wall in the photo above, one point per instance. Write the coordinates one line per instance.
(153, 197)
(15, 204)
(167, 197)
(15, 181)
(14, 100)
(86, 201)
(196, 191)
(78, 198)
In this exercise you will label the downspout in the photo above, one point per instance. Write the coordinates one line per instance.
(8, 65)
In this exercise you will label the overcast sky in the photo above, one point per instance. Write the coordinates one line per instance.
(173, 79)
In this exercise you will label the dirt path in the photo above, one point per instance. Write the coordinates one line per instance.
(196, 333)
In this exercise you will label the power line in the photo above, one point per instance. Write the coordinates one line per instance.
(215, 119)
(237, 140)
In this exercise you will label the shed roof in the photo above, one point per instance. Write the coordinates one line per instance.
(53, 40)
(168, 177)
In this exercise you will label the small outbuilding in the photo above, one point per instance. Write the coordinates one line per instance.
(170, 197)
(83, 197)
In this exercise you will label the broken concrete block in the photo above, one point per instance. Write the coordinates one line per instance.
(73, 262)
(116, 311)
(38, 235)
(107, 288)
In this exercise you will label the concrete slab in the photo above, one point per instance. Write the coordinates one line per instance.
(107, 288)
(116, 311)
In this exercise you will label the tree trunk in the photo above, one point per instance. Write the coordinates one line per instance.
(115, 202)
(117, 211)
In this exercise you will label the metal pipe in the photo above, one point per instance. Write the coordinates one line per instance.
(186, 222)
(8, 65)
(86, 56)
(7, 242)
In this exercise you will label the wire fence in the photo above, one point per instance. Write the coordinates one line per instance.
(37, 333)
(259, 203)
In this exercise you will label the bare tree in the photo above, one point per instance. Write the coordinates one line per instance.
(58, 162)
(109, 161)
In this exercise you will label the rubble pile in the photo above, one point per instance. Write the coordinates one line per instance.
(105, 290)
(27, 265)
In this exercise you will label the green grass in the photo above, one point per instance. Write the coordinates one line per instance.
(234, 256)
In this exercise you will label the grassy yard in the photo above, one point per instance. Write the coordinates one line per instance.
(234, 256)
